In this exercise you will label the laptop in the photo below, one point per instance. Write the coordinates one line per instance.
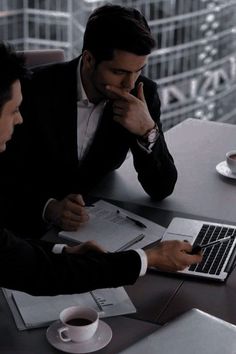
(194, 332)
(218, 260)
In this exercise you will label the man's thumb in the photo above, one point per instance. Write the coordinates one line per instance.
(140, 94)
(80, 199)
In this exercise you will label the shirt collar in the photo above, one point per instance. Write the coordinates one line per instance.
(81, 95)
(82, 98)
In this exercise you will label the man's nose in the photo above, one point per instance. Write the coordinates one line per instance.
(128, 82)
(18, 119)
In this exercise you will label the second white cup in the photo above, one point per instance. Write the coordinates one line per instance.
(231, 160)
(78, 324)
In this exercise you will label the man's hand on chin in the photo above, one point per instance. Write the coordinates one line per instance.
(130, 111)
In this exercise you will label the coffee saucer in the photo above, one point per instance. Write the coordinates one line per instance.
(100, 339)
(223, 169)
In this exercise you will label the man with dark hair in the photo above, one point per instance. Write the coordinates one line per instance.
(81, 119)
(42, 268)
(113, 27)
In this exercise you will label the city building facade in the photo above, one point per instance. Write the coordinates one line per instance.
(194, 62)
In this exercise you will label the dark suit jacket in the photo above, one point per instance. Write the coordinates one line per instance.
(30, 266)
(43, 154)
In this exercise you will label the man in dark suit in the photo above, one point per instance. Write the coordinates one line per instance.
(81, 119)
(42, 268)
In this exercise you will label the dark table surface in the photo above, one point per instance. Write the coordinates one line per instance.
(12, 341)
(157, 297)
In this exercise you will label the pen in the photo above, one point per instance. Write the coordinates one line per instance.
(131, 243)
(198, 248)
(137, 222)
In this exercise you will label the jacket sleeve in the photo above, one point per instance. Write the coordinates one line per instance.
(23, 175)
(30, 266)
(156, 170)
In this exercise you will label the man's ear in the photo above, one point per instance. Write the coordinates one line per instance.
(88, 60)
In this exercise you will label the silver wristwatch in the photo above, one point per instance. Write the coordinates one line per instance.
(148, 140)
(150, 137)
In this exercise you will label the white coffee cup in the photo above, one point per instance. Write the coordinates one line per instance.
(231, 160)
(79, 324)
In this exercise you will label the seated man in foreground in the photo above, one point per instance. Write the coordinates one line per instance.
(41, 268)
(81, 119)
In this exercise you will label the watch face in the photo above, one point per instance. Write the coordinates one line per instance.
(153, 135)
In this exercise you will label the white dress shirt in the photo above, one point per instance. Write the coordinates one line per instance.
(88, 118)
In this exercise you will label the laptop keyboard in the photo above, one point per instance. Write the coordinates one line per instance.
(215, 256)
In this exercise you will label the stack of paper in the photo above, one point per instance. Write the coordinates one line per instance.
(116, 229)
(40, 311)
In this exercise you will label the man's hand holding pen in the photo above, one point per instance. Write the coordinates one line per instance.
(68, 213)
(172, 256)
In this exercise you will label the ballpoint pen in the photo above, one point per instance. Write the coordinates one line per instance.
(131, 243)
(198, 247)
(137, 222)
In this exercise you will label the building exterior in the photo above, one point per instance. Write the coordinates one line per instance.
(194, 63)
(37, 24)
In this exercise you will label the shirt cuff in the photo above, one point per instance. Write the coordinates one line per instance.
(144, 261)
(144, 148)
(58, 248)
(45, 207)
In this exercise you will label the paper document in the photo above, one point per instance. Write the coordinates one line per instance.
(116, 229)
(40, 311)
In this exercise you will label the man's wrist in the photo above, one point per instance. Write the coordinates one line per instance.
(145, 135)
(150, 137)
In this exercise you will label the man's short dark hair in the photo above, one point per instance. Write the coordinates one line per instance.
(111, 27)
(12, 68)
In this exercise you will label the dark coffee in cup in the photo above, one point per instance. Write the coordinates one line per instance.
(79, 321)
(231, 161)
(233, 156)
(78, 324)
